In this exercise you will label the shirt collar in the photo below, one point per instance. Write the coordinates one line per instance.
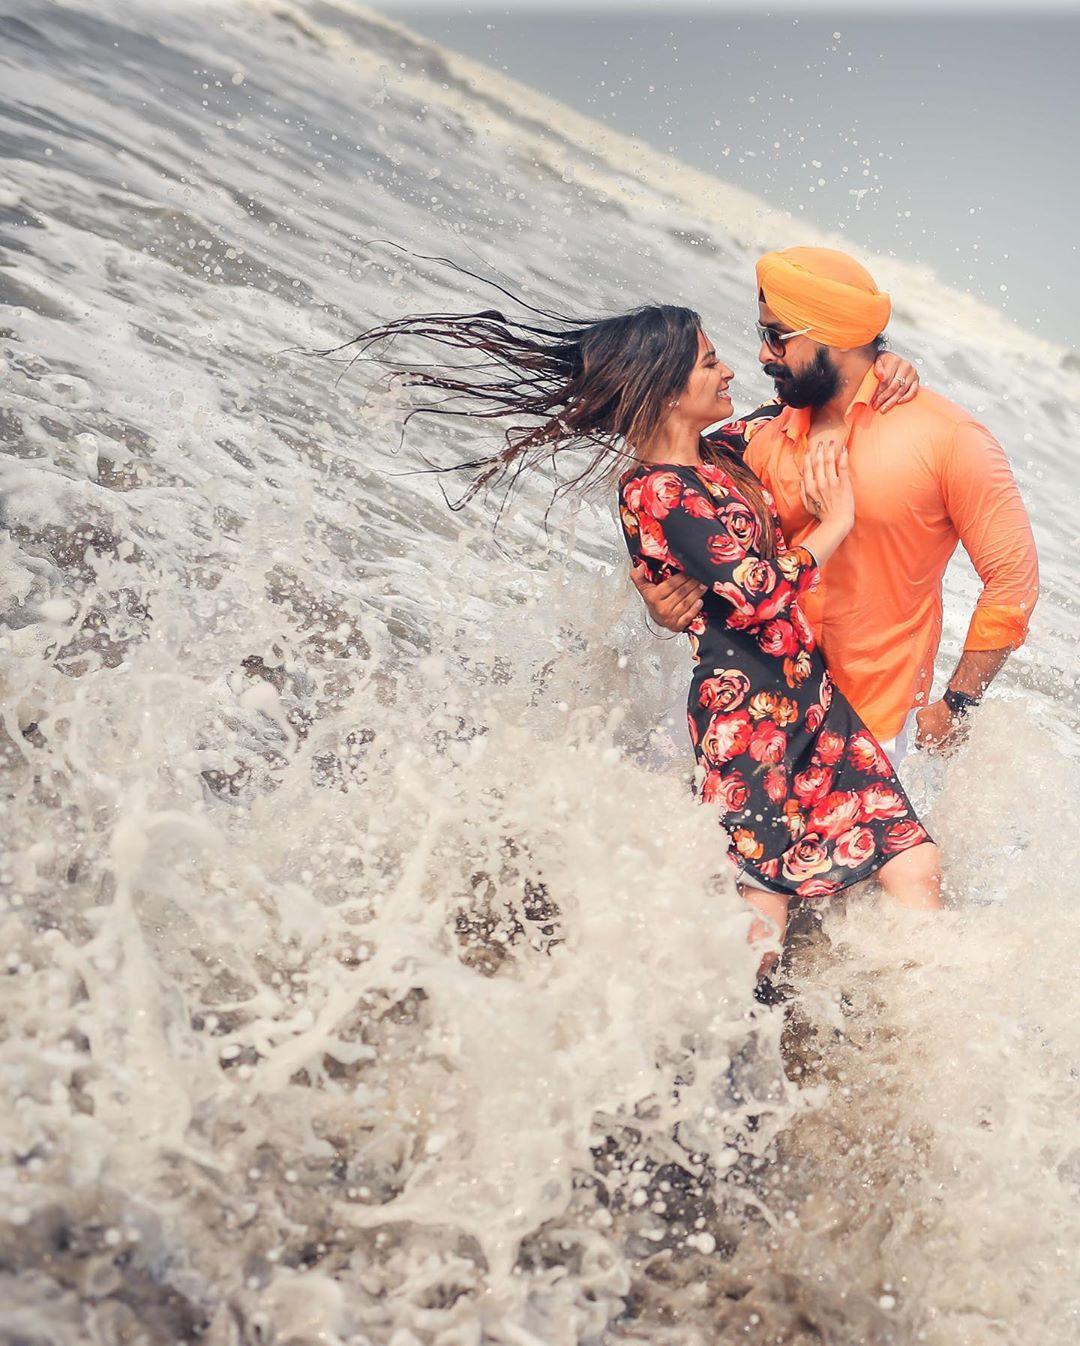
(863, 394)
(796, 424)
(796, 420)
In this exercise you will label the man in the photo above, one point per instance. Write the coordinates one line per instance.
(925, 477)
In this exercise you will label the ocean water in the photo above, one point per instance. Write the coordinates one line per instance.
(370, 975)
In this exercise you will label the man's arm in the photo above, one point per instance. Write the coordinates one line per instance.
(986, 509)
(674, 602)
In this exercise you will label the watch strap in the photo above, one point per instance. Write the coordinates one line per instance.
(959, 703)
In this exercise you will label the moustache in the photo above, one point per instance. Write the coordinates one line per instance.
(776, 371)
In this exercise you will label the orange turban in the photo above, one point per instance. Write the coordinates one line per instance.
(826, 291)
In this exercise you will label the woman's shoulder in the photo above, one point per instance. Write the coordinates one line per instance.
(640, 468)
(635, 477)
(658, 489)
(735, 436)
(651, 472)
(731, 438)
(689, 471)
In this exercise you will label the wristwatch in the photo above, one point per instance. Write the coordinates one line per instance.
(959, 703)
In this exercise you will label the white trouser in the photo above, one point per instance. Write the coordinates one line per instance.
(896, 749)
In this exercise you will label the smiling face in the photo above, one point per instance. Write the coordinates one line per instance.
(704, 400)
(805, 375)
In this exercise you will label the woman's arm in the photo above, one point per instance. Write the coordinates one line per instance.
(717, 542)
(735, 435)
(828, 495)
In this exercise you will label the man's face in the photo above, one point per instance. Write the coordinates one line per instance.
(806, 374)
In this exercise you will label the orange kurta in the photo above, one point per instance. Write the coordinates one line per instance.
(925, 476)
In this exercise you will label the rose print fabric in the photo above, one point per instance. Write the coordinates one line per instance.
(809, 799)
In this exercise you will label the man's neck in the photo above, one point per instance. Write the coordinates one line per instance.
(832, 413)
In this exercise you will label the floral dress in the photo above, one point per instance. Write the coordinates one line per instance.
(808, 797)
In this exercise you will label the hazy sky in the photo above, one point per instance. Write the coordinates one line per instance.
(944, 136)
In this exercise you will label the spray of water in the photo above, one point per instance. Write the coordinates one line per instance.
(371, 977)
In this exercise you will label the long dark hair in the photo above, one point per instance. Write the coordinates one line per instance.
(565, 384)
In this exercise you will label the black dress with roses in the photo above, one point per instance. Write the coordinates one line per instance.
(808, 797)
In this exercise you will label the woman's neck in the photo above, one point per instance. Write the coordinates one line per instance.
(675, 444)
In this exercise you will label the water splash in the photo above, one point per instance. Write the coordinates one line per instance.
(371, 976)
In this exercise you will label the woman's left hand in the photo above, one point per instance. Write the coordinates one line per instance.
(898, 381)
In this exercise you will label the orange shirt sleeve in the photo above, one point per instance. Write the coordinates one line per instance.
(984, 504)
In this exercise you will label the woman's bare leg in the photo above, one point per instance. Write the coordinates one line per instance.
(913, 878)
(770, 922)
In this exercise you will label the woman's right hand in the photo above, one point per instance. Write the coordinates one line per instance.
(828, 496)
(826, 486)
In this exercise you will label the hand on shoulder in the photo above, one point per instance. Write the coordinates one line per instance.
(898, 381)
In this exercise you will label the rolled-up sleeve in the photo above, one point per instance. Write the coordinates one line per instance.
(984, 504)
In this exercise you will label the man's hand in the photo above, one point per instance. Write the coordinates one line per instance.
(937, 729)
(674, 602)
(898, 381)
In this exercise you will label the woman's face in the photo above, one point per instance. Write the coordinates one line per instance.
(705, 399)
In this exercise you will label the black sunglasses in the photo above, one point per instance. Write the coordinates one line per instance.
(775, 340)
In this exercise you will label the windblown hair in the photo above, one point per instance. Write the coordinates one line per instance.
(565, 385)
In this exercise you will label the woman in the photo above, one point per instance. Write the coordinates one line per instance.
(808, 798)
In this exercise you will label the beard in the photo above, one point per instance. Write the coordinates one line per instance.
(813, 386)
